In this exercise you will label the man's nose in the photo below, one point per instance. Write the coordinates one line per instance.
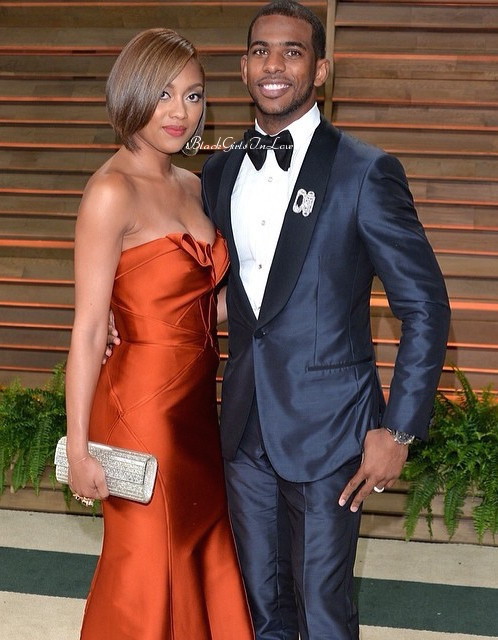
(274, 62)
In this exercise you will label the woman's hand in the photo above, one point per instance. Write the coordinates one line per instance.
(87, 479)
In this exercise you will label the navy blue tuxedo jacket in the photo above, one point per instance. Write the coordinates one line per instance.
(309, 356)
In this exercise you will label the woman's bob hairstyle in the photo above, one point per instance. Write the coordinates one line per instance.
(143, 69)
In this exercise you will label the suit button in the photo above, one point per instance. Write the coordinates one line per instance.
(260, 333)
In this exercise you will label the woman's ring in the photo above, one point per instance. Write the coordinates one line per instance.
(379, 490)
(88, 502)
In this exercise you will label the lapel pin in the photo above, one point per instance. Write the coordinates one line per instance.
(304, 202)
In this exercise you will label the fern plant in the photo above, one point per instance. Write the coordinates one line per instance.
(31, 422)
(460, 458)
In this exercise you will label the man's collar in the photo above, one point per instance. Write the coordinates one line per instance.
(301, 129)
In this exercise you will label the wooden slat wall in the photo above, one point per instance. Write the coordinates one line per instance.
(54, 60)
(417, 78)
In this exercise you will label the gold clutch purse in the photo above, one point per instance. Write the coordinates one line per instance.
(129, 474)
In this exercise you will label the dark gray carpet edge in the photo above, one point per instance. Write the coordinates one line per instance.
(385, 603)
(429, 607)
(46, 573)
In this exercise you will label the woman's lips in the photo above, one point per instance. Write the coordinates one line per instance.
(176, 132)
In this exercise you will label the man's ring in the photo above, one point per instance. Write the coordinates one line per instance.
(379, 490)
(88, 502)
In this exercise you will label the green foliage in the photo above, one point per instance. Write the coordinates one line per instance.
(460, 458)
(31, 422)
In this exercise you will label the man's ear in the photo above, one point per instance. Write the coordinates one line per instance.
(243, 68)
(321, 71)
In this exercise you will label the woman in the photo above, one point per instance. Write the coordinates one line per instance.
(168, 569)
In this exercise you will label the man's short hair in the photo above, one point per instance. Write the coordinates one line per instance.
(292, 9)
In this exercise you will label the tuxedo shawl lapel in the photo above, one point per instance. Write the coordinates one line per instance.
(297, 228)
(224, 215)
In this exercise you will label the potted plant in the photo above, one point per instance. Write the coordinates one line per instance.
(460, 458)
(31, 422)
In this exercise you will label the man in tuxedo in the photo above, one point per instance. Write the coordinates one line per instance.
(305, 431)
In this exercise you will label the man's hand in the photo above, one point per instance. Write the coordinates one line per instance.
(112, 338)
(383, 460)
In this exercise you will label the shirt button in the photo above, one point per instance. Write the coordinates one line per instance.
(270, 179)
(260, 266)
(263, 222)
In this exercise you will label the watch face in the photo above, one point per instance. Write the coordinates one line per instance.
(403, 438)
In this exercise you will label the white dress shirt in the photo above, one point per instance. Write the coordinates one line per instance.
(259, 202)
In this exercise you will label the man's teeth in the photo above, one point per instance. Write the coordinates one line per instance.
(274, 87)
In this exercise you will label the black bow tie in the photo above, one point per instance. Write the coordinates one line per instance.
(257, 144)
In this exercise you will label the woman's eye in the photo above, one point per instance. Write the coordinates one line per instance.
(164, 95)
(194, 97)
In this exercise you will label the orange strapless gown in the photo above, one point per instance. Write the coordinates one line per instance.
(168, 570)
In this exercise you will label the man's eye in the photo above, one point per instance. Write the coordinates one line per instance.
(294, 53)
(259, 52)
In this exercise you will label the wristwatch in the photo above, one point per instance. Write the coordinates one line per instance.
(401, 437)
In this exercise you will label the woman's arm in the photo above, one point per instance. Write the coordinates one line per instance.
(222, 305)
(101, 225)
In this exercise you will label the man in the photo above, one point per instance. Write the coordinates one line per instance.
(305, 431)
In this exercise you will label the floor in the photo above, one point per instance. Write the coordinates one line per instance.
(406, 591)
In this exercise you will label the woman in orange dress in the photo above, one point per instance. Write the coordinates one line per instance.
(168, 569)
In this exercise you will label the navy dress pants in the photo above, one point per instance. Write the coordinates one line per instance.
(296, 546)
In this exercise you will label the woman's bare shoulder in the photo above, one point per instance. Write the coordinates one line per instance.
(109, 182)
(108, 199)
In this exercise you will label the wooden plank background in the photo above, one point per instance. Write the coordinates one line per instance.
(416, 77)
